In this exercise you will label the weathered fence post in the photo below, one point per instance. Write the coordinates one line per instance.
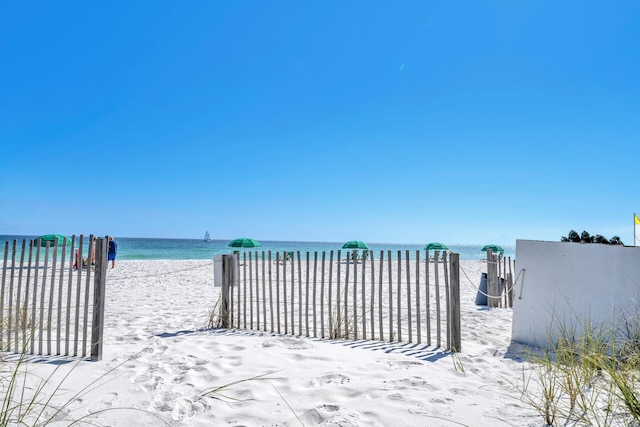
(228, 279)
(2, 291)
(510, 285)
(99, 281)
(455, 334)
(493, 290)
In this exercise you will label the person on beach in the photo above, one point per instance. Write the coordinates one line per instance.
(77, 259)
(113, 248)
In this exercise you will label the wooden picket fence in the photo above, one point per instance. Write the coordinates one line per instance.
(500, 280)
(49, 303)
(401, 298)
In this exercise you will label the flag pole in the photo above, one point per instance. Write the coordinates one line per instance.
(634, 229)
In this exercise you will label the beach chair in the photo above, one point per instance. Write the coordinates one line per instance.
(365, 255)
(286, 256)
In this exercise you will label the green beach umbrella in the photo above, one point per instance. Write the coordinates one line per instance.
(51, 238)
(437, 246)
(494, 248)
(355, 244)
(244, 243)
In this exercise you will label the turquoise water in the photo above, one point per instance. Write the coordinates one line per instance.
(130, 248)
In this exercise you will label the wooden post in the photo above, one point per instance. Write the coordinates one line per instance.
(67, 349)
(335, 331)
(34, 304)
(427, 298)
(250, 284)
(244, 291)
(99, 281)
(306, 298)
(354, 257)
(436, 275)
(42, 302)
(18, 297)
(373, 296)
(293, 293)
(314, 288)
(493, 292)
(10, 306)
(380, 281)
(510, 284)
(284, 293)
(418, 317)
(447, 293)
(503, 280)
(2, 292)
(264, 294)
(236, 300)
(322, 297)
(76, 331)
(399, 308)
(278, 292)
(271, 292)
(454, 284)
(228, 279)
(345, 321)
(409, 323)
(299, 293)
(257, 293)
(329, 292)
(87, 292)
(26, 300)
(51, 296)
(60, 295)
(363, 293)
(390, 283)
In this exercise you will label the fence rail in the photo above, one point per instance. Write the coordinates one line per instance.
(324, 295)
(50, 303)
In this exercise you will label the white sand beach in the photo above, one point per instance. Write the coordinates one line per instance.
(162, 366)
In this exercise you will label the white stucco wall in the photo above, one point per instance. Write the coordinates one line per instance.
(568, 284)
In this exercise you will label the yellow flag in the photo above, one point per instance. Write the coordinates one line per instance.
(637, 219)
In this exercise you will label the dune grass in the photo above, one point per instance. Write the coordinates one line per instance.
(588, 376)
(30, 400)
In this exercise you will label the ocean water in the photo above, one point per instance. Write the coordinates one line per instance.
(132, 248)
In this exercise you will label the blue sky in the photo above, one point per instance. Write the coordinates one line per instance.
(405, 122)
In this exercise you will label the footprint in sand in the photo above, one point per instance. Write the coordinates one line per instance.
(414, 382)
(287, 342)
(330, 379)
(106, 402)
(148, 380)
(230, 362)
(442, 400)
(330, 415)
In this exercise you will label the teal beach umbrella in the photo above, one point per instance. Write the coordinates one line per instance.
(244, 243)
(355, 244)
(494, 248)
(436, 246)
(51, 238)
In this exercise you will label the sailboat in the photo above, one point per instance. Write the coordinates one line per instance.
(207, 238)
